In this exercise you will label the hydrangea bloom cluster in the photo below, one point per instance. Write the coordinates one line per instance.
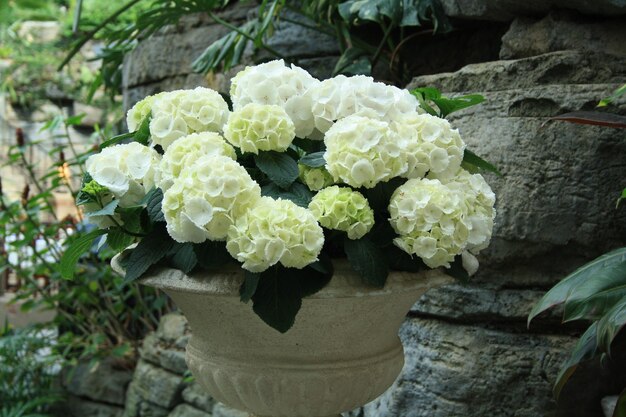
(186, 150)
(127, 171)
(315, 178)
(260, 127)
(341, 208)
(430, 145)
(206, 198)
(357, 135)
(274, 83)
(343, 96)
(438, 221)
(275, 231)
(362, 152)
(178, 113)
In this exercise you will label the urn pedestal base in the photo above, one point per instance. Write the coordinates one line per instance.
(342, 352)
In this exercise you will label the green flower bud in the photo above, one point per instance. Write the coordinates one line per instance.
(341, 208)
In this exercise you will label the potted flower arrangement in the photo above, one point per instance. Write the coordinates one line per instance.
(331, 205)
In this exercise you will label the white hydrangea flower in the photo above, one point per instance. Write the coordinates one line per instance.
(430, 145)
(276, 84)
(139, 112)
(430, 221)
(479, 201)
(315, 178)
(259, 127)
(178, 113)
(438, 221)
(185, 151)
(275, 231)
(363, 152)
(127, 170)
(206, 199)
(342, 96)
(341, 208)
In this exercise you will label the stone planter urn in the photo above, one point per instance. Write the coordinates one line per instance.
(342, 352)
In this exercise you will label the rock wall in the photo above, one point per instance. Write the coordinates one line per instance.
(161, 385)
(468, 350)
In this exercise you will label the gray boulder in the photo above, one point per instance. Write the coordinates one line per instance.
(102, 382)
(559, 31)
(503, 10)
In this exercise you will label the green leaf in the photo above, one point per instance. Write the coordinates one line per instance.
(617, 93)
(277, 299)
(118, 240)
(353, 61)
(74, 252)
(355, 11)
(368, 260)
(121, 350)
(75, 120)
(593, 298)
(116, 139)
(620, 407)
(474, 163)
(450, 105)
(621, 197)
(313, 160)
(445, 105)
(183, 257)
(227, 50)
(212, 255)
(315, 276)
(585, 349)
(153, 201)
(150, 250)
(107, 210)
(142, 135)
(561, 291)
(249, 286)
(399, 260)
(297, 192)
(279, 167)
(380, 195)
(611, 324)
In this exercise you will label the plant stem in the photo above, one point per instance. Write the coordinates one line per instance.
(97, 29)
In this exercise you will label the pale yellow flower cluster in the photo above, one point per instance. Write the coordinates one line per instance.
(371, 132)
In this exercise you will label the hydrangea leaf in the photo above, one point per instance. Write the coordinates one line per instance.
(249, 286)
(183, 257)
(313, 160)
(474, 163)
(118, 240)
(368, 260)
(153, 201)
(107, 210)
(298, 193)
(150, 250)
(277, 298)
(211, 255)
(280, 168)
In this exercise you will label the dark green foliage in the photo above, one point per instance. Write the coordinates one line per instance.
(297, 192)
(368, 260)
(280, 168)
(278, 295)
(150, 250)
